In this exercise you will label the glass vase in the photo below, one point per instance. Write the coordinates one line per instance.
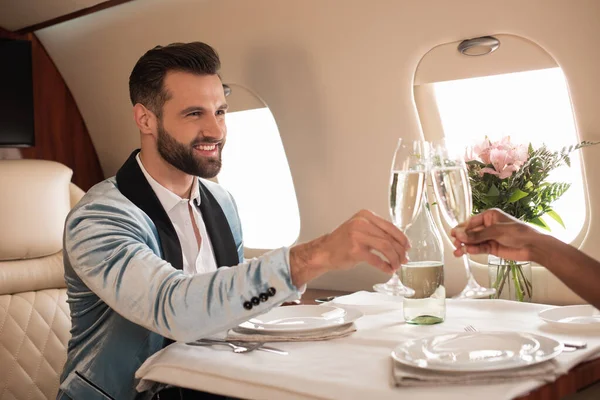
(511, 279)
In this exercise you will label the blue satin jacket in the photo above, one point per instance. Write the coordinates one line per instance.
(127, 292)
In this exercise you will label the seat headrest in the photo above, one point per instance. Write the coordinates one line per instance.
(34, 202)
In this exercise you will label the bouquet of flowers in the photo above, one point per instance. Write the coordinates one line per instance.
(512, 177)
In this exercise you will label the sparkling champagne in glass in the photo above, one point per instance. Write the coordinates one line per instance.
(453, 193)
(407, 183)
(406, 192)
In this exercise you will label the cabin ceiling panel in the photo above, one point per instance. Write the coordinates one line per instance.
(337, 75)
(17, 14)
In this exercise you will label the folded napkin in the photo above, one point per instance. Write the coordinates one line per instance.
(242, 335)
(403, 375)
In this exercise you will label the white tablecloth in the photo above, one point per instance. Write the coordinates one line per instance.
(357, 366)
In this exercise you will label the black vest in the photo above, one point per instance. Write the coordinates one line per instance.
(133, 184)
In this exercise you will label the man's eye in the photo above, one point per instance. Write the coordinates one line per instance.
(194, 114)
(220, 112)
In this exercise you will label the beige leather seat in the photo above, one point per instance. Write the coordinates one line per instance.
(35, 197)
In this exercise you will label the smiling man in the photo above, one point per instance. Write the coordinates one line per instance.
(155, 254)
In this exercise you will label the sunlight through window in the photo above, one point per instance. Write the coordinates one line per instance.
(531, 106)
(256, 172)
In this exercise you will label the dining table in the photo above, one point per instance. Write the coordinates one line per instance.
(359, 365)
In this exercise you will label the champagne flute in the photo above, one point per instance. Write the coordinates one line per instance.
(407, 184)
(453, 192)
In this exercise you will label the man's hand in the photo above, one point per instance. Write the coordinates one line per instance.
(495, 232)
(351, 243)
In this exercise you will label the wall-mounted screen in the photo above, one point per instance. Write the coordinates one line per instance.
(16, 94)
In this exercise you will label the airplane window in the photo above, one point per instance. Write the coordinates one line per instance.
(256, 172)
(532, 106)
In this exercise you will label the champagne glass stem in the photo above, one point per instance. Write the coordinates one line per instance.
(473, 290)
(467, 264)
(394, 280)
(470, 278)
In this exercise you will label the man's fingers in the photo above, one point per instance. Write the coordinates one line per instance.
(378, 263)
(394, 253)
(384, 247)
(372, 230)
(386, 227)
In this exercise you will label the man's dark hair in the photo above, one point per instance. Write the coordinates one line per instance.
(146, 80)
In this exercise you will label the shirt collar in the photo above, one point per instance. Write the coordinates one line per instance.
(167, 198)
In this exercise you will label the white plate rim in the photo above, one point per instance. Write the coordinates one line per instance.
(308, 310)
(558, 348)
(348, 318)
(544, 316)
(393, 302)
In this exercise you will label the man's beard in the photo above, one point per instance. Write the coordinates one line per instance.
(182, 156)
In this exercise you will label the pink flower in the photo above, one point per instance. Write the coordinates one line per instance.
(503, 162)
(505, 157)
(520, 154)
(482, 150)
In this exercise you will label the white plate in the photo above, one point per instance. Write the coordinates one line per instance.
(584, 316)
(348, 317)
(297, 319)
(477, 351)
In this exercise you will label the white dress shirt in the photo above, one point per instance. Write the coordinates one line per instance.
(195, 261)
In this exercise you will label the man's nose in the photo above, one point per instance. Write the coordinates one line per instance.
(214, 129)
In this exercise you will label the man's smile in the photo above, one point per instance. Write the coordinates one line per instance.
(207, 150)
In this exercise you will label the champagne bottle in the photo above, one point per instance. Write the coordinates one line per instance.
(424, 273)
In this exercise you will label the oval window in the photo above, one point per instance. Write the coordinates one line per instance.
(256, 172)
(517, 91)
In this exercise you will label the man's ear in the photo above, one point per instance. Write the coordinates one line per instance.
(145, 120)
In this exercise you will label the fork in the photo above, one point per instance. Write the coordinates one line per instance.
(259, 345)
(567, 346)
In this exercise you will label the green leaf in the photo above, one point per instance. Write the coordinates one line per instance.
(540, 222)
(554, 215)
(493, 192)
(489, 201)
(517, 195)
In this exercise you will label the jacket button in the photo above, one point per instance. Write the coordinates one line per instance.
(248, 305)
(271, 291)
(263, 297)
(255, 301)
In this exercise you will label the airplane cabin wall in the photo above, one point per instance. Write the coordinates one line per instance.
(338, 78)
(60, 131)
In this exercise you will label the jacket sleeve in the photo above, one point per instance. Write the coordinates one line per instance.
(114, 251)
